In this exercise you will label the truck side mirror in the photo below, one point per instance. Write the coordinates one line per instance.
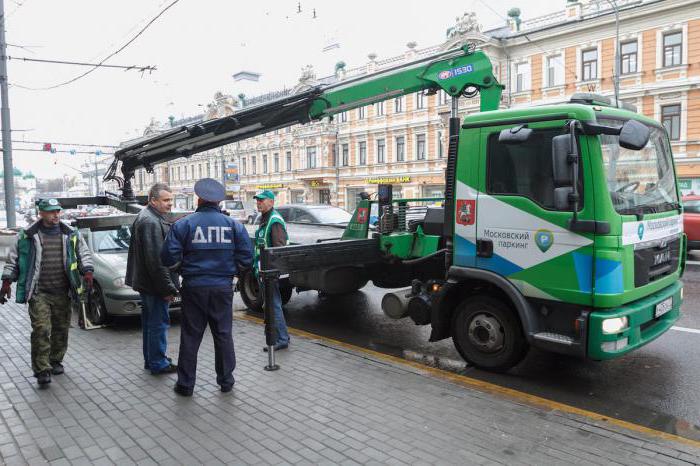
(515, 135)
(561, 165)
(634, 135)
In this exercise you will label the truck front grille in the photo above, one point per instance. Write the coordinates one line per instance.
(656, 261)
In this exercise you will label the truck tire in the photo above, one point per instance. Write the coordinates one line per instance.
(487, 333)
(250, 292)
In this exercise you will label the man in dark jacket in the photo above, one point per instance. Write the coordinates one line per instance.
(209, 249)
(155, 283)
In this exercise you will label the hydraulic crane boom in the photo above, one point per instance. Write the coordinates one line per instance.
(462, 71)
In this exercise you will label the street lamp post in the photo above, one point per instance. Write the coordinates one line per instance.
(617, 51)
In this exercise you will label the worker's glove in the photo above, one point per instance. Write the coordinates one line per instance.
(88, 280)
(5, 291)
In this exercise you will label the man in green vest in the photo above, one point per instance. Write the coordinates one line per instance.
(271, 233)
(47, 262)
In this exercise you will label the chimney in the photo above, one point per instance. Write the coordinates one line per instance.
(574, 10)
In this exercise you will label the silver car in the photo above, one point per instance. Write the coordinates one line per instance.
(243, 211)
(108, 239)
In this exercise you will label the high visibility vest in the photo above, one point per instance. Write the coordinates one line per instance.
(262, 237)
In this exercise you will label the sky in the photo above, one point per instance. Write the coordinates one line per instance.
(196, 46)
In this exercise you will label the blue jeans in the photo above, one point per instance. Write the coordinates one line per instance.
(155, 322)
(280, 323)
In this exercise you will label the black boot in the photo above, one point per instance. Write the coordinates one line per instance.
(43, 378)
(56, 368)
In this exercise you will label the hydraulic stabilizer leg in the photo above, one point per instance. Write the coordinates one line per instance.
(270, 279)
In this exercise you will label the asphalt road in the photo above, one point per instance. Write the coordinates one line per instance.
(657, 386)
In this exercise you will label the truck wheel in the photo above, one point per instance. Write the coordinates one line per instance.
(487, 333)
(250, 291)
(286, 289)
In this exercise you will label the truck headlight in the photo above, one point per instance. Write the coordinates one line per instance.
(119, 282)
(614, 325)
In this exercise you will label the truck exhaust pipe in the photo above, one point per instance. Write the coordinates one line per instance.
(395, 305)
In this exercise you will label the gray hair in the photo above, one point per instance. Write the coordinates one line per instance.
(154, 192)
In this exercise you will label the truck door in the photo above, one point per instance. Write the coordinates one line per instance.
(466, 193)
(520, 234)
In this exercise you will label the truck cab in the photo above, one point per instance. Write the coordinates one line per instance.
(582, 243)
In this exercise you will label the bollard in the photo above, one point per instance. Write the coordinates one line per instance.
(269, 279)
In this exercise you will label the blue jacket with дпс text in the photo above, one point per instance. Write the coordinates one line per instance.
(208, 248)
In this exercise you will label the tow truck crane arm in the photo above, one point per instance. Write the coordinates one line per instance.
(462, 71)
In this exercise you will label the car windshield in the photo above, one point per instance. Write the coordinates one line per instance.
(692, 206)
(233, 205)
(640, 181)
(112, 241)
(331, 215)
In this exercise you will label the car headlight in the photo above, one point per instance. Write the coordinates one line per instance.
(614, 325)
(119, 283)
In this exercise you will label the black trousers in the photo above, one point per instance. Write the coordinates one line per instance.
(201, 306)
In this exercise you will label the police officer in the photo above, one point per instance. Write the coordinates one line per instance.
(272, 232)
(47, 262)
(208, 248)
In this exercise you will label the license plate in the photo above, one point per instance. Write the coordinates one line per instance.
(663, 307)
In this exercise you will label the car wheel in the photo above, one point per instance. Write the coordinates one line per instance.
(487, 333)
(96, 310)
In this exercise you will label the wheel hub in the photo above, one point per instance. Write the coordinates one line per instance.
(486, 333)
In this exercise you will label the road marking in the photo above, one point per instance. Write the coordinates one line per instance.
(487, 386)
(685, 329)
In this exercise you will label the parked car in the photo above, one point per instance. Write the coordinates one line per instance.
(108, 239)
(691, 221)
(321, 214)
(243, 211)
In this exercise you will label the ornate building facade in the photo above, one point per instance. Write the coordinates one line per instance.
(404, 141)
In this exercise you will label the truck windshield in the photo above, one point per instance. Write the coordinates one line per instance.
(640, 181)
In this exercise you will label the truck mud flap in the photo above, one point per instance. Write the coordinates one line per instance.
(304, 257)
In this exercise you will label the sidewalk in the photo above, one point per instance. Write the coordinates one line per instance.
(326, 405)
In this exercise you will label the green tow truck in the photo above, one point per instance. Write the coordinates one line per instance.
(560, 229)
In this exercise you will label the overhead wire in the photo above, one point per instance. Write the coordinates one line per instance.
(129, 42)
(67, 144)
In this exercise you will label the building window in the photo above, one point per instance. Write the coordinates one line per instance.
(589, 64)
(420, 147)
(276, 162)
(400, 149)
(555, 71)
(311, 157)
(420, 100)
(628, 57)
(179, 174)
(379, 107)
(172, 174)
(671, 119)
(264, 163)
(345, 155)
(209, 169)
(361, 113)
(288, 129)
(199, 170)
(254, 164)
(441, 153)
(244, 166)
(192, 171)
(288, 156)
(673, 49)
(343, 117)
(398, 105)
(522, 77)
(362, 153)
(381, 151)
(443, 97)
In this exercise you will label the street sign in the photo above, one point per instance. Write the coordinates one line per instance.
(231, 177)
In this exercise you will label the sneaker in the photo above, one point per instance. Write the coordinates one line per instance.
(56, 368)
(169, 369)
(145, 365)
(182, 390)
(43, 378)
(277, 347)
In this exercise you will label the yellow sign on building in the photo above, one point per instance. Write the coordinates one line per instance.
(270, 186)
(394, 180)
